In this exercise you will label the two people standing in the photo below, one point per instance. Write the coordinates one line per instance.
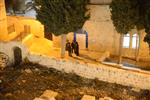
(72, 48)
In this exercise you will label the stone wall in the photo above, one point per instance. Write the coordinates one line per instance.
(119, 75)
(144, 49)
(138, 79)
(8, 49)
(102, 35)
(25, 25)
(3, 21)
(101, 32)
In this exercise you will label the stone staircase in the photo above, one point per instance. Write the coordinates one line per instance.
(3, 60)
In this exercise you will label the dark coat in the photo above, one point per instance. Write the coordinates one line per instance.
(68, 46)
(77, 48)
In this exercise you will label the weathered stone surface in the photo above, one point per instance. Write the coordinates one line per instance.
(47, 95)
(24, 81)
(101, 99)
(3, 60)
(104, 56)
(108, 98)
(28, 71)
(139, 79)
(136, 89)
(88, 97)
(39, 99)
(3, 21)
(7, 48)
(8, 94)
(45, 98)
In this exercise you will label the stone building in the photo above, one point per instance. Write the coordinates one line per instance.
(102, 35)
(3, 21)
(23, 29)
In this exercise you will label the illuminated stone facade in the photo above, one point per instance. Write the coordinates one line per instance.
(3, 21)
(102, 35)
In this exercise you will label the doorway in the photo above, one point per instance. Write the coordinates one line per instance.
(17, 56)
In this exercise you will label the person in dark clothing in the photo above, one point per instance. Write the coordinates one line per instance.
(73, 46)
(76, 48)
(68, 48)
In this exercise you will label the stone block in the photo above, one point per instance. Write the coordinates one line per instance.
(88, 97)
(101, 99)
(49, 94)
(39, 99)
(28, 71)
(108, 98)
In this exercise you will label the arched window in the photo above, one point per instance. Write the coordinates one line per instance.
(135, 41)
(126, 41)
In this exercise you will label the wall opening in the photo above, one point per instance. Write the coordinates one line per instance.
(135, 41)
(17, 55)
(85, 34)
(126, 41)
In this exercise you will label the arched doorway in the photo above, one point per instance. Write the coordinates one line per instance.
(17, 56)
(81, 31)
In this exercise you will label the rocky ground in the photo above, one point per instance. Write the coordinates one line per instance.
(27, 81)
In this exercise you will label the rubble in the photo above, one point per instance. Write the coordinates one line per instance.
(47, 95)
(8, 94)
(28, 71)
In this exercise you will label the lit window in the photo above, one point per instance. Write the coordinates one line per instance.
(135, 41)
(126, 41)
